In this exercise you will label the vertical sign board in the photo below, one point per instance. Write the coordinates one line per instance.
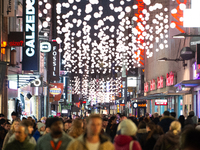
(30, 27)
(53, 63)
(9, 8)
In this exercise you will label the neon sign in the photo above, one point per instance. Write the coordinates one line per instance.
(14, 43)
(152, 85)
(160, 82)
(140, 37)
(177, 14)
(161, 102)
(170, 79)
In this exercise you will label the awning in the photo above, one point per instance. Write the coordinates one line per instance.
(162, 95)
(188, 83)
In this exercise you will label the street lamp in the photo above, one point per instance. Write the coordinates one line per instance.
(184, 35)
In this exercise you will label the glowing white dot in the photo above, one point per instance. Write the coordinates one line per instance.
(45, 34)
(172, 25)
(48, 19)
(135, 6)
(48, 6)
(40, 14)
(45, 24)
(182, 6)
(128, 9)
(71, 1)
(173, 11)
(74, 7)
(45, 11)
(40, 3)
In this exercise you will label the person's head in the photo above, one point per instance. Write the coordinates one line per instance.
(156, 115)
(30, 118)
(2, 116)
(56, 125)
(3, 122)
(28, 124)
(113, 120)
(94, 124)
(175, 127)
(166, 113)
(147, 115)
(14, 115)
(105, 122)
(191, 113)
(67, 124)
(41, 127)
(8, 125)
(150, 126)
(15, 124)
(190, 140)
(123, 117)
(173, 114)
(127, 127)
(142, 125)
(21, 132)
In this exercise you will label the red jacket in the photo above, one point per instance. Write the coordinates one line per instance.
(121, 142)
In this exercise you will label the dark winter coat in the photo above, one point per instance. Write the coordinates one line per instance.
(36, 135)
(121, 142)
(111, 130)
(141, 137)
(16, 145)
(3, 133)
(150, 143)
(168, 141)
(156, 120)
(165, 122)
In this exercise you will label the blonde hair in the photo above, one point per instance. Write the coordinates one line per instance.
(175, 127)
(12, 126)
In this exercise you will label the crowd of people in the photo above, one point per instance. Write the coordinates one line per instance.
(101, 132)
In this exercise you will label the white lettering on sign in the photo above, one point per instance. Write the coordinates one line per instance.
(190, 16)
(54, 60)
(30, 28)
(45, 47)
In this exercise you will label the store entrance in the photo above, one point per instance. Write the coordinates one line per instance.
(139, 112)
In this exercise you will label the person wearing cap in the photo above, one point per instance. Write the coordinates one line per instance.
(56, 139)
(92, 139)
(40, 131)
(126, 139)
(14, 116)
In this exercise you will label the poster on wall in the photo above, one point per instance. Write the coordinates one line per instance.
(30, 59)
(9, 8)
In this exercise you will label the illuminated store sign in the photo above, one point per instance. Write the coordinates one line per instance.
(30, 24)
(45, 47)
(170, 79)
(160, 82)
(53, 67)
(152, 85)
(139, 105)
(189, 15)
(146, 87)
(56, 90)
(161, 102)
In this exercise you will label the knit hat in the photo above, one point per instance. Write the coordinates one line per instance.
(127, 127)
(40, 125)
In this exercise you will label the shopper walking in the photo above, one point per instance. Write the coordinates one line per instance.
(126, 140)
(67, 126)
(92, 139)
(76, 128)
(56, 139)
(142, 134)
(170, 140)
(39, 131)
(165, 121)
(111, 129)
(11, 132)
(21, 141)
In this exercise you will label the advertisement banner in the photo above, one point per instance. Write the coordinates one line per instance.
(9, 8)
(56, 90)
(30, 26)
(53, 63)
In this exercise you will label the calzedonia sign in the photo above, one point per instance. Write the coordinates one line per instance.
(30, 25)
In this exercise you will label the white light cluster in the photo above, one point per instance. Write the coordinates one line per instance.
(96, 47)
(97, 90)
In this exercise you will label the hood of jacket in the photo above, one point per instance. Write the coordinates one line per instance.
(172, 138)
(122, 140)
(167, 117)
(142, 131)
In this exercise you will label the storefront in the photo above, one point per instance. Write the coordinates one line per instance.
(139, 109)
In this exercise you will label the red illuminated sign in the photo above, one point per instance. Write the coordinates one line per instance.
(160, 82)
(146, 87)
(161, 102)
(14, 43)
(152, 85)
(170, 79)
(177, 15)
(140, 38)
(84, 102)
